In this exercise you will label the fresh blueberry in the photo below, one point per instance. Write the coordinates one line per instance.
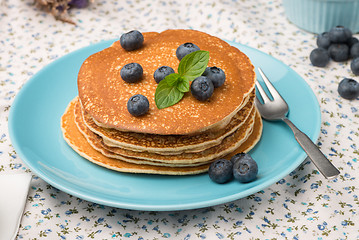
(202, 88)
(354, 66)
(185, 49)
(221, 171)
(162, 72)
(245, 169)
(323, 40)
(339, 52)
(237, 157)
(319, 57)
(348, 88)
(339, 34)
(352, 41)
(131, 72)
(216, 75)
(354, 50)
(138, 105)
(132, 40)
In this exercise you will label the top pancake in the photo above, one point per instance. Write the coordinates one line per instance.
(104, 94)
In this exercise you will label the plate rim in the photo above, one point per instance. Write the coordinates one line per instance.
(150, 207)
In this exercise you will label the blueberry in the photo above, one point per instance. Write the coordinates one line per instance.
(216, 75)
(339, 52)
(354, 66)
(319, 57)
(323, 40)
(339, 34)
(221, 171)
(162, 72)
(352, 41)
(132, 40)
(245, 169)
(354, 50)
(348, 88)
(131, 72)
(138, 105)
(237, 157)
(202, 88)
(185, 49)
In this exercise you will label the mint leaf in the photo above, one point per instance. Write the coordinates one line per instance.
(167, 95)
(172, 79)
(193, 65)
(171, 89)
(183, 85)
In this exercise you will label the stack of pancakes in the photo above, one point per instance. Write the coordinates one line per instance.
(182, 139)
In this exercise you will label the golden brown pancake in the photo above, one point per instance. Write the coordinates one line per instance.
(252, 139)
(168, 144)
(80, 144)
(179, 140)
(226, 146)
(104, 94)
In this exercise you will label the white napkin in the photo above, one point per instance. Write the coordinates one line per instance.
(13, 194)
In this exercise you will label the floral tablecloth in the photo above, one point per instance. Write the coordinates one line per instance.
(303, 205)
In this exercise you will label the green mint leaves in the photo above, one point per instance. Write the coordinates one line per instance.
(171, 89)
(167, 95)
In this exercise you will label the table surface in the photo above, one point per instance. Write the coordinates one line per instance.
(303, 205)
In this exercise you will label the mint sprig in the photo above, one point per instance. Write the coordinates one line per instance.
(167, 95)
(171, 89)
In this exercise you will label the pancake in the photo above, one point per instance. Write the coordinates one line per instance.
(252, 139)
(169, 144)
(245, 145)
(178, 140)
(226, 146)
(79, 143)
(104, 94)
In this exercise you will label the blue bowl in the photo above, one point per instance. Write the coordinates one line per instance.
(319, 16)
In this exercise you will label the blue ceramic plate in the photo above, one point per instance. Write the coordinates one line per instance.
(34, 126)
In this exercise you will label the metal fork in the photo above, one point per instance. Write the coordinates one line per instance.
(277, 109)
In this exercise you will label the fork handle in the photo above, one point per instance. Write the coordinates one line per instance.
(328, 170)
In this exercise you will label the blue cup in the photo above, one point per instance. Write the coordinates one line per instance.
(319, 16)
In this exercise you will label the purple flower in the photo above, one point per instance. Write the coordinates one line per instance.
(79, 3)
